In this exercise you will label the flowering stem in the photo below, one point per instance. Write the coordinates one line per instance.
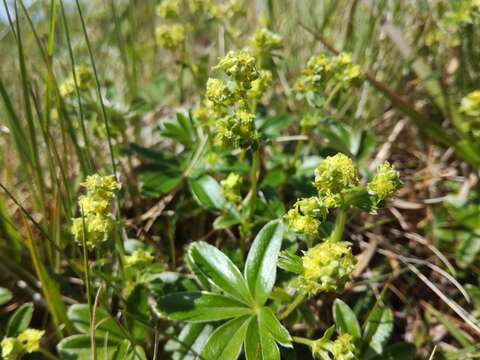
(86, 269)
(302, 340)
(337, 233)
(292, 306)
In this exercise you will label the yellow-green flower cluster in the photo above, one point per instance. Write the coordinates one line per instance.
(260, 85)
(168, 9)
(236, 130)
(96, 220)
(231, 188)
(170, 36)
(322, 70)
(84, 79)
(333, 176)
(264, 42)
(27, 342)
(385, 183)
(447, 30)
(342, 348)
(306, 215)
(327, 266)
(139, 257)
(470, 104)
(240, 66)
(229, 100)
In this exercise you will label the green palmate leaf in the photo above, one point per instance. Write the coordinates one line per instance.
(267, 320)
(5, 296)
(78, 347)
(199, 307)
(207, 192)
(259, 343)
(225, 343)
(190, 341)
(137, 314)
(345, 319)
(290, 262)
(261, 264)
(20, 320)
(79, 315)
(220, 270)
(378, 329)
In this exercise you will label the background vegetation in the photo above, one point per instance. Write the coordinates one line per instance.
(104, 87)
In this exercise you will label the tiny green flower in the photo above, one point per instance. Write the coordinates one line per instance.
(342, 348)
(96, 221)
(231, 188)
(470, 104)
(219, 93)
(84, 78)
(138, 257)
(265, 40)
(260, 85)
(30, 339)
(101, 186)
(306, 216)
(170, 36)
(236, 130)
(322, 70)
(385, 183)
(11, 348)
(327, 266)
(168, 9)
(239, 65)
(335, 174)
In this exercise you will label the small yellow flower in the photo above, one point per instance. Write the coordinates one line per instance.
(260, 85)
(335, 174)
(240, 65)
(218, 93)
(170, 36)
(96, 221)
(327, 266)
(470, 104)
(231, 187)
(385, 183)
(168, 9)
(11, 348)
(138, 257)
(306, 215)
(30, 339)
(265, 40)
(343, 348)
